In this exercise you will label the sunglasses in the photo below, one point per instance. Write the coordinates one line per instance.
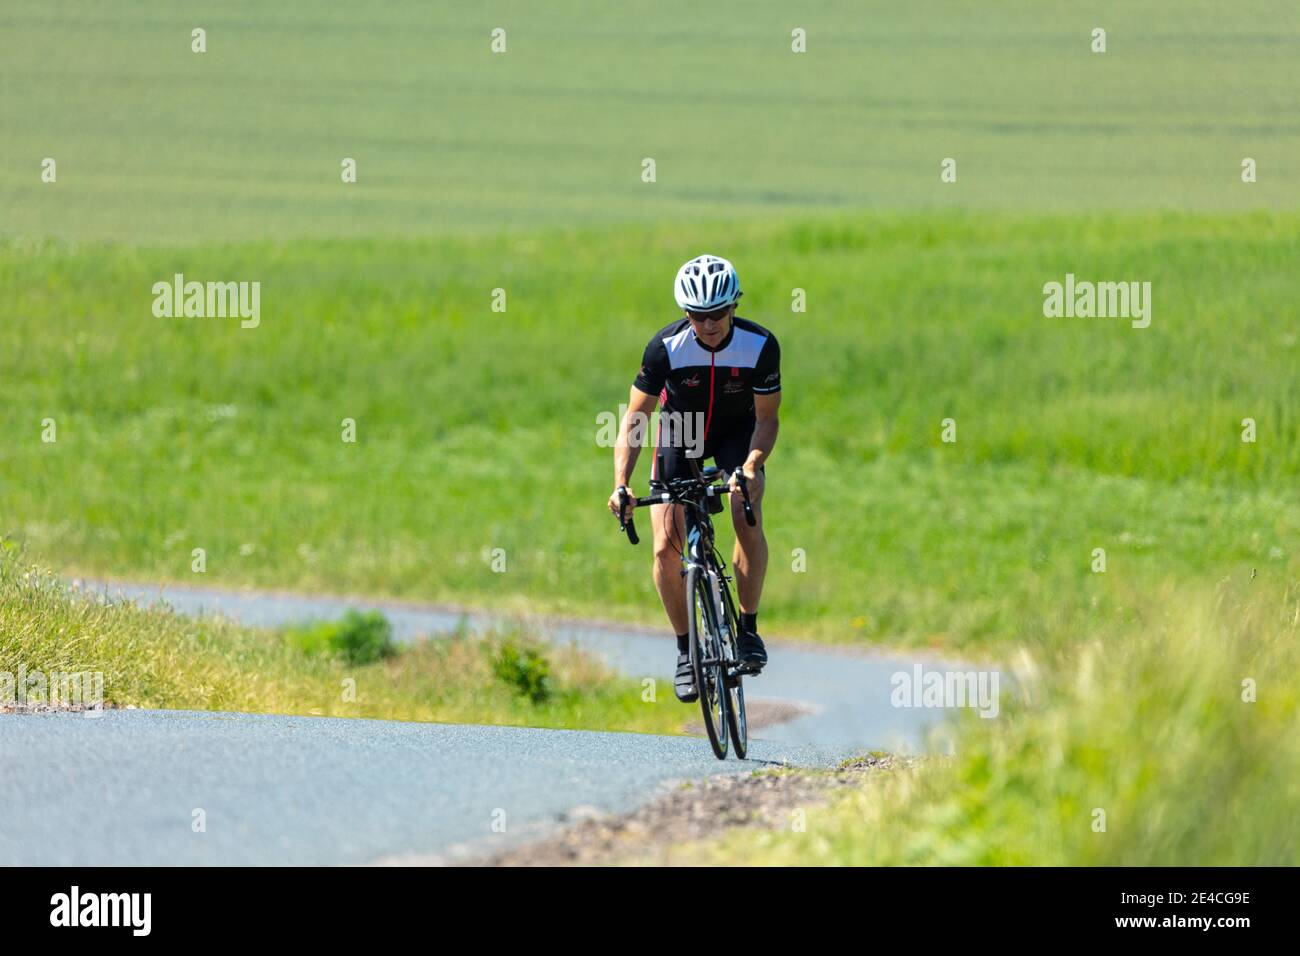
(703, 317)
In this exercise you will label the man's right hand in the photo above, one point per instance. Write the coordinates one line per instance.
(616, 499)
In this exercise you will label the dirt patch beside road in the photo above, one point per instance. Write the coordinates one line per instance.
(766, 799)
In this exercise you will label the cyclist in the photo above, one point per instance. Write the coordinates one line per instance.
(717, 379)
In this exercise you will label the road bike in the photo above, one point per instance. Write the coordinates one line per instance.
(714, 632)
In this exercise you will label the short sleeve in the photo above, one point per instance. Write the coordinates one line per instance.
(767, 370)
(654, 368)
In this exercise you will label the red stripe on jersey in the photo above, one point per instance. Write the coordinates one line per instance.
(712, 359)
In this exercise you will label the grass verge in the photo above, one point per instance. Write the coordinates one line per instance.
(1137, 745)
(153, 658)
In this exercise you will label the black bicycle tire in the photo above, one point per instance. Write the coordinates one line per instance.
(737, 720)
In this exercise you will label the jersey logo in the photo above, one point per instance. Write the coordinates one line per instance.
(693, 381)
(735, 372)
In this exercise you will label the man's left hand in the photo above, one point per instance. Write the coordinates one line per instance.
(750, 474)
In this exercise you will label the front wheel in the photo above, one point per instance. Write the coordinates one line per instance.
(707, 661)
(735, 683)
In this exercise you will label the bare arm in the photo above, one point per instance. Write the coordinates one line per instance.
(766, 426)
(632, 434)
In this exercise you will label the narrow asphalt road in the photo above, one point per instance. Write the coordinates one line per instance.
(132, 787)
(184, 788)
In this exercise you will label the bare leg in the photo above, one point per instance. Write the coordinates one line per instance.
(668, 563)
(750, 556)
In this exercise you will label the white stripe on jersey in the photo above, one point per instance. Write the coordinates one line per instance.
(741, 352)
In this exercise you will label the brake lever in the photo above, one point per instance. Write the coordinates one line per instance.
(744, 493)
(625, 524)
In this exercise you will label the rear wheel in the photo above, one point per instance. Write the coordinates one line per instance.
(706, 660)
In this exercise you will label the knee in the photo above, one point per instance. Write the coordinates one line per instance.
(666, 556)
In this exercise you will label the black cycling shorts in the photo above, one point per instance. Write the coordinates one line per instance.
(728, 446)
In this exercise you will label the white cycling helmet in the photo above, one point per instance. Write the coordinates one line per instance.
(706, 283)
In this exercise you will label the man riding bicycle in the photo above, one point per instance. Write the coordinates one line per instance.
(717, 378)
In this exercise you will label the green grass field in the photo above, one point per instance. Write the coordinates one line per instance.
(521, 171)
(154, 142)
(478, 430)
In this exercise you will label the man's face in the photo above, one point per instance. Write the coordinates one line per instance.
(712, 327)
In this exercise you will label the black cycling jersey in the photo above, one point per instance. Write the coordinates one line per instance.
(718, 383)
